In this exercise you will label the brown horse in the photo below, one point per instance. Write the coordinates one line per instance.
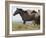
(26, 16)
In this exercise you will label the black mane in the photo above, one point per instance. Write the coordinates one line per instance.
(19, 9)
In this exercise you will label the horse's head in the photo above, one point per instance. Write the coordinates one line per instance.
(18, 11)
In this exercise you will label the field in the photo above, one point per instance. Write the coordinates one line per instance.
(20, 26)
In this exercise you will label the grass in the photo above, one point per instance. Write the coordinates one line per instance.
(21, 26)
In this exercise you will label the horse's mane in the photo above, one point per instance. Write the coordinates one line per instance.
(20, 9)
(24, 11)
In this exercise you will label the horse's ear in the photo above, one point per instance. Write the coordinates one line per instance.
(17, 8)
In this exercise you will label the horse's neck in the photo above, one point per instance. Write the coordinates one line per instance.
(21, 14)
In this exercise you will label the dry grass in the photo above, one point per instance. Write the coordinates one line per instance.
(21, 26)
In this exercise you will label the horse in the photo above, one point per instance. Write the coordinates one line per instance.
(25, 15)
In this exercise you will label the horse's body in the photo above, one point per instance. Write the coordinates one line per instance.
(25, 15)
